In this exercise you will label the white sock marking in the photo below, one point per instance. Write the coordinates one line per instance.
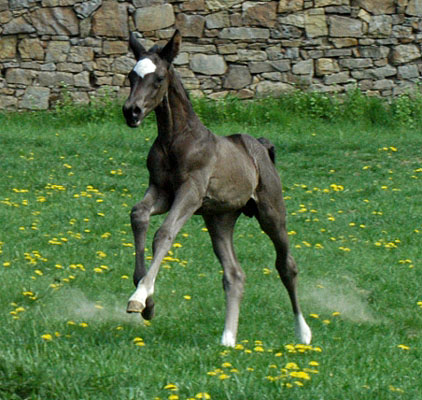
(228, 339)
(303, 332)
(141, 294)
(144, 66)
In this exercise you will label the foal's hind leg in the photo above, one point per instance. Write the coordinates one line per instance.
(272, 220)
(221, 229)
(153, 203)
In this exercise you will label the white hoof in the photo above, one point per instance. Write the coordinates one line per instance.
(228, 339)
(303, 332)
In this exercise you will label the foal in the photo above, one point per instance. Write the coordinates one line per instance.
(193, 171)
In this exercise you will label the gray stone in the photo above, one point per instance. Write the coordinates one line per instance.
(153, 18)
(55, 21)
(80, 54)
(31, 49)
(17, 25)
(181, 59)
(208, 64)
(111, 20)
(414, 8)
(4, 5)
(272, 89)
(215, 5)
(57, 51)
(405, 53)
(87, 8)
(123, 65)
(408, 72)
(334, 79)
(245, 33)
(326, 66)
(305, 67)
(382, 72)
(55, 79)
(7, 47)
(383, 84)
(374, 52)
(147, 3)
(237, 77)
(380, 26)
(356, 63)
(290, 5)
(190, 25)
(259, 14)
(82, 79)
(315, 23)
(8, 102)
(35, 98)
(260, 67)
(251, 55)
(377, 6)
(20, 76)
(296, 19)
(217, 20)
(115, 47)
(281, 65)
(345, 27)
(272, 76)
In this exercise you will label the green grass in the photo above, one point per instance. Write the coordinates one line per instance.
(353, 192)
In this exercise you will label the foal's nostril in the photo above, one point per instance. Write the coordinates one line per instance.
(136, 112)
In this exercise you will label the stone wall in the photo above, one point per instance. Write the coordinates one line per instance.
(249, 48)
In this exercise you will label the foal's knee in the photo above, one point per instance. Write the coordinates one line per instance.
(286, 267)
(139, 215)
(234, 279)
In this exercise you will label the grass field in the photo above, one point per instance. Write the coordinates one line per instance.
(354, 197)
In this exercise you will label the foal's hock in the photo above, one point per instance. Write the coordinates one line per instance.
(193, 171)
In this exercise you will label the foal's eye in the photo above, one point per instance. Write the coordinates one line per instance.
(159, 80)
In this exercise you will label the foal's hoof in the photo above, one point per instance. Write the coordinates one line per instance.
(148, 312)
(134, 307)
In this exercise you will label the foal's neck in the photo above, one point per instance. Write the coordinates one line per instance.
(175, 114)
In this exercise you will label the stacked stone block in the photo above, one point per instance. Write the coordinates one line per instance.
(247, 48)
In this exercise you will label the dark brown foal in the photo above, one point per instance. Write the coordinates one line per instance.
(193, 171)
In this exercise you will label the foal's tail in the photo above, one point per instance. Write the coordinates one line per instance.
(269, 146)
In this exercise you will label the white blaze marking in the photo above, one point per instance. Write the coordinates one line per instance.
(144, 66)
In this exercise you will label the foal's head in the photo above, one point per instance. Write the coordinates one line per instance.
(149, 79)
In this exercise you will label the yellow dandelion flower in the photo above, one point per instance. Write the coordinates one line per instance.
(314, 363)
(223, 377)
(203, 395)
(403, 347)
(173, 397)
(226, 365)
(187, 297)
(292, 365)
(170, 386)
(300, 375)
(83, 325)
(47, 337)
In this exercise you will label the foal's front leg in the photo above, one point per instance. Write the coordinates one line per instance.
(153, 203)
(186, 202)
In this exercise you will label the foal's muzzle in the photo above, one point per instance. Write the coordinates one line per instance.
(133, 115)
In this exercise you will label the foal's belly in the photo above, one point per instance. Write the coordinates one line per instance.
(232, 184)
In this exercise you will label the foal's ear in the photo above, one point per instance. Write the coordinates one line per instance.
(171, 49)
(136, 47)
